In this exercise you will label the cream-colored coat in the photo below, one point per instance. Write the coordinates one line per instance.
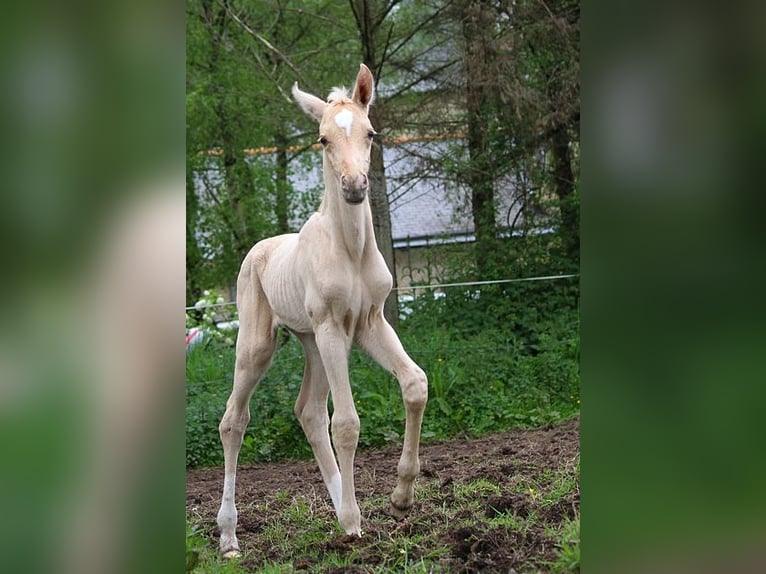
(327, 284)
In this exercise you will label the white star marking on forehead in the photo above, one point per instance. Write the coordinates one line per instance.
(344, 118)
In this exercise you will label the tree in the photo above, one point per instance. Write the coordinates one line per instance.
(230, 214)
(521, 66)
(395, 37)
(370, 15)
(478, 25)
(506, 91)
(540, 102)
(242, 58)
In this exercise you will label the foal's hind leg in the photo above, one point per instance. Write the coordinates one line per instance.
(311, 410)
(379, 341)
(256, 342)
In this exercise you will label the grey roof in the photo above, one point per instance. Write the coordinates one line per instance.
(428, 205)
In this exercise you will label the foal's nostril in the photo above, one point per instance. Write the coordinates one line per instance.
(354, 182)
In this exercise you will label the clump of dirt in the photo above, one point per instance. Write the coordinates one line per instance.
(342, 544)
(248, 523)
(519, 504)
(565, 508)
(467, 529)
(497, 549)
(347, 570)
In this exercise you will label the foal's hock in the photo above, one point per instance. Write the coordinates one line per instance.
(327, 284)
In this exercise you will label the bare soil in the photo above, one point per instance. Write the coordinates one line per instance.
(457, 520)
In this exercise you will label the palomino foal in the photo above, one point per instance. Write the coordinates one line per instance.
(327, 285)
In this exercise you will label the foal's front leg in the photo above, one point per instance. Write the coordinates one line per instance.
(334, 344)
(381, 342)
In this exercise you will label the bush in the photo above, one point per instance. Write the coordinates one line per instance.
(496, 358)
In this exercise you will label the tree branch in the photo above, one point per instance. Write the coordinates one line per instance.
(430, 75)
(278, 53)
(417, 29)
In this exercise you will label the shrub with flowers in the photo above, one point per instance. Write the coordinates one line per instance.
(209, 314)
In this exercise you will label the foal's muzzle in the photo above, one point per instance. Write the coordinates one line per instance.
(354, 188)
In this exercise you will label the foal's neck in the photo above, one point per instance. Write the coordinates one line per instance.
(351, 224)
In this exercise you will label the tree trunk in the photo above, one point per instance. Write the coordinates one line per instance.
(236, 173)
(366, 13)
(282, 183)
(193, 253)
(239, 184)
(480, 110)
(381, 217)
(564, 186)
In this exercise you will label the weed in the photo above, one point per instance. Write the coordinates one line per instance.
(480, 487)
(568, 547)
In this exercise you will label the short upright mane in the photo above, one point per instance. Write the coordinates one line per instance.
(339, 95)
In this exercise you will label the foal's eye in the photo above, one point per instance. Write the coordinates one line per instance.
(323, 140)
(371, 134)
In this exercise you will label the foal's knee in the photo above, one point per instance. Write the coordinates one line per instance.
(415, 390)
(345, 430)
(313, 422)
(233, 423)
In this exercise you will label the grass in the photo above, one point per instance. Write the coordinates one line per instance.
(304, 536)
(526, 520)
(483, 377)
(478, 383)
(568, 551)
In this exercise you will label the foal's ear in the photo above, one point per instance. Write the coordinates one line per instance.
(364, 90)
(313, 106)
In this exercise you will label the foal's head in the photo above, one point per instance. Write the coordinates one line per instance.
(345, 132)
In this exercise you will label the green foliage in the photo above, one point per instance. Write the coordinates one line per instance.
(238, 110)
(568, 548)
(195, 542)
(209, 371)
(209, 310)
(273, 432)
(501, 357)
(499, 372)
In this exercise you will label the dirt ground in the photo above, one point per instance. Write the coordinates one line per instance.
(464, 485)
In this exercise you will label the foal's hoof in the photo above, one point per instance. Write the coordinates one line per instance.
(229, 554)
(398, 512)
(350, 520)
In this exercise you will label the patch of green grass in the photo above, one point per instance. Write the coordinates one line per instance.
(509, 520)
(282, 496)
(203, 558)
(275, 568)
(490, 368)
(475, 488)
(300, 532)
(563, 482)
(308, 535)
(568, 547)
